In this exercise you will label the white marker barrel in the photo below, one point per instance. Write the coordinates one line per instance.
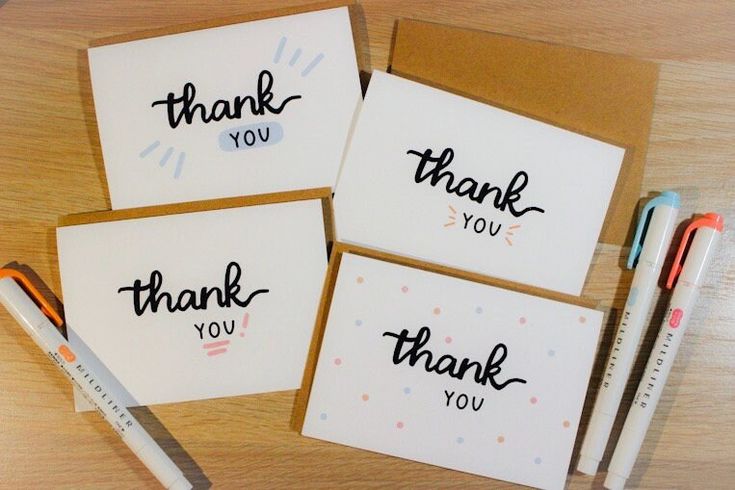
(50, 340)
(662, 358)
(628, 335)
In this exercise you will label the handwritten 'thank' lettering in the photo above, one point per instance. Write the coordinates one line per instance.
(185, 108)
(447, 364)
(150, 295)
(502, 200)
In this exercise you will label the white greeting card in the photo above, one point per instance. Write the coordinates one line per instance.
(438, 177)
(452, 373)
(248, 108)
(196, 305)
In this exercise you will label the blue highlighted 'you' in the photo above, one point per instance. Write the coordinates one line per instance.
(250, 136)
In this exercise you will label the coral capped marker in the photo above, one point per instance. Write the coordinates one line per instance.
(705, 234)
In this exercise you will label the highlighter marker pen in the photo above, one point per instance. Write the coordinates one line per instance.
(35, 320)
(707, 231)
(662, 211)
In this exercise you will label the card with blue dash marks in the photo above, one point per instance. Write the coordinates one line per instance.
(241, 109)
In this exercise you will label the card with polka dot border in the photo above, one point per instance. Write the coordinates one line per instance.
(448, 371)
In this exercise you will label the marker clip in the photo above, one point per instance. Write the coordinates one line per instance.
(709, 220)
(29, 288)
(668, 198)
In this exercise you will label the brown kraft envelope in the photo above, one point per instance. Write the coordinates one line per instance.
(605, 96)
(324, 194)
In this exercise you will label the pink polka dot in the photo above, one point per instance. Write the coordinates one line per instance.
(404, 289)
(242, 334)
(365, 397)
(399, 425)
(522, 320)
(566, 424)
(448, 339)
(582, 319)
(337, 361)
(360, 279)
(534, 400)
(437, 310)
(501, 439)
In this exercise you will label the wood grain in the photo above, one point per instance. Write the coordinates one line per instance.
(50, 165)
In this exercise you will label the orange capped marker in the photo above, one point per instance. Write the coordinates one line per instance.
(704, 234)
(35, 315)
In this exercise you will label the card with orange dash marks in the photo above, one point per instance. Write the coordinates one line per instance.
(438, 177)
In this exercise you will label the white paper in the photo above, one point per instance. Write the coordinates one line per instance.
(148, 161)
(522, 432)
(162, 356)
(379, 204)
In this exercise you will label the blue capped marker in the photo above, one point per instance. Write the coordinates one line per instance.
(647, 254)
(657, 230)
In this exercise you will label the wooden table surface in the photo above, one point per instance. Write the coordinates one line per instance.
(51, 165)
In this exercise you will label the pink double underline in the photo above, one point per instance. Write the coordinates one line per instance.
(219, 347)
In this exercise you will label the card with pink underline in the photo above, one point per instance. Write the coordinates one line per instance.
(196, 305)
(452, 373)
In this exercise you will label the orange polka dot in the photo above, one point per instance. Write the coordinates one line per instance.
(360, 279)
(566, 424)
(365, 397)
(437, 310)
(501, 439)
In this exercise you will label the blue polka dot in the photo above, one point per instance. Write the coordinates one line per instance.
(552, 353)
(478, 310)
(323, 416)
(460, 440)
(407, 390)
(537, 460)
(358, 322)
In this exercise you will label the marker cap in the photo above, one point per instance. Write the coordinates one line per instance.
(31, 290)
(666, 198)
(614, 481)
(587, 465)
(711, 221)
